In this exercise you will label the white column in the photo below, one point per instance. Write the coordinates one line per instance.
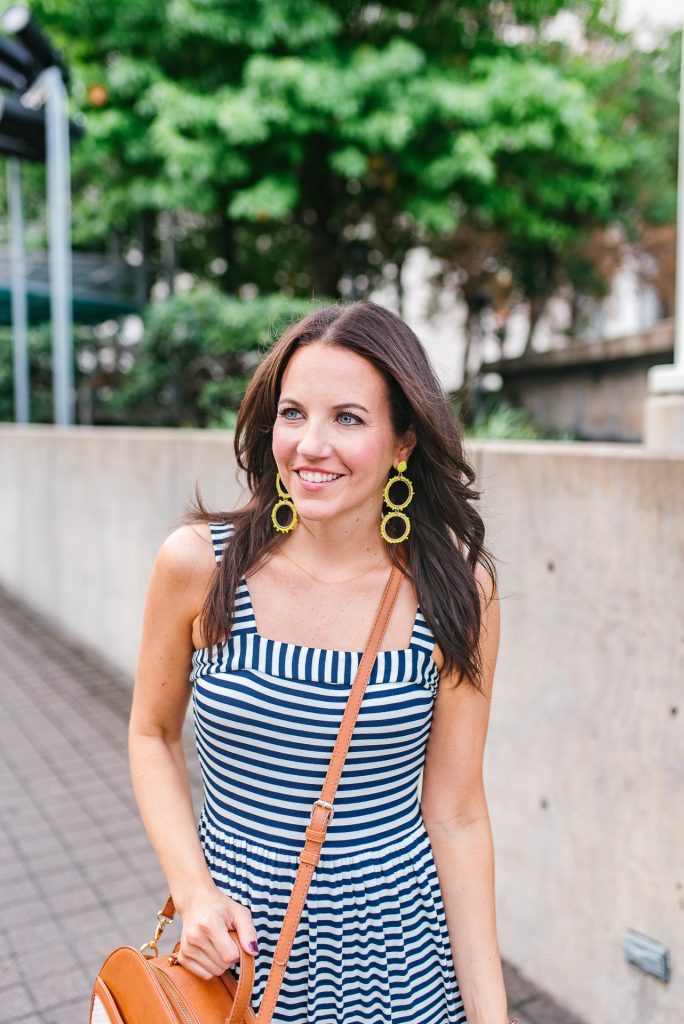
(59, 219)
(19, 308)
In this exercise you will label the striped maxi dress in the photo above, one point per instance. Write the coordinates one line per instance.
(372, 945)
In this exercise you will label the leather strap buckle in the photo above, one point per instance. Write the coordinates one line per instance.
(326, 805)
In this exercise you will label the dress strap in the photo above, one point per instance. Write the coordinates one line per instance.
(220, 533)
(244, 621)
(422, 636)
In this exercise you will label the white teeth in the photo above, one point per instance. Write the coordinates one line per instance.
(318, 478)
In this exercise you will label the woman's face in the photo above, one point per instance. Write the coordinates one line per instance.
(333, 440)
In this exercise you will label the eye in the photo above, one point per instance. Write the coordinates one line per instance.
(286, 409)
(353, 416)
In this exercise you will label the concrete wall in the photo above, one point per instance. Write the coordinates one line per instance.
(585, 762)
(596, 390)
(83, 511)
(585, 758)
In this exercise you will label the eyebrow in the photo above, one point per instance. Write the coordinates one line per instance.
(342, 405)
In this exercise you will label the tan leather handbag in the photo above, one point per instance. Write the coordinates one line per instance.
(138, 986)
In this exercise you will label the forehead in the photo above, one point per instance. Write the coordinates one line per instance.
(329, 372)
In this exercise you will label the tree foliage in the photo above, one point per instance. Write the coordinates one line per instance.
(297, 142)
(304, 147)
(189, 368)
(198, 352)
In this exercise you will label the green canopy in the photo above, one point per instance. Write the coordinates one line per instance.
(87, 309)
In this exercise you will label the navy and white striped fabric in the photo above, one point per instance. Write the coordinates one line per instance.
(372, 945)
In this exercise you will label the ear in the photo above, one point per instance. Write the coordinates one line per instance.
(406, 446)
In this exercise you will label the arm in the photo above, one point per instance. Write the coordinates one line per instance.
(454, 809)
(161, 694)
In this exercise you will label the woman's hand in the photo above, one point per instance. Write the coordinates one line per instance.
(206, 948)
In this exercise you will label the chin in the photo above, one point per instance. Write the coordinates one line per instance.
(315, 515)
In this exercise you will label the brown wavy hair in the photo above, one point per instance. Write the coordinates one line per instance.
(446, 541)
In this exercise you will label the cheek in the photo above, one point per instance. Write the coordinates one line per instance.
(362, 453)
(283, 444)
(365, 456)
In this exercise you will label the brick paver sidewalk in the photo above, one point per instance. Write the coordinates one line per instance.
(77, 871)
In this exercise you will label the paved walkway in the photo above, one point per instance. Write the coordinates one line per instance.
(77, 872)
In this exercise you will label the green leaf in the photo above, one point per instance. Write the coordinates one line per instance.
(271, 198)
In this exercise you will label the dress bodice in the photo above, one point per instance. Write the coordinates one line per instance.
(267, 714)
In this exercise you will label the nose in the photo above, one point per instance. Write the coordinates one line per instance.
(313, 443)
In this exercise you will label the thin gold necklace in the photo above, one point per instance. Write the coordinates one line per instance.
(318, 579)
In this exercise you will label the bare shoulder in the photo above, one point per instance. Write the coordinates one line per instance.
(181, 576)
(489, 595)
(185, 562)
(186, 547)
(177, 587)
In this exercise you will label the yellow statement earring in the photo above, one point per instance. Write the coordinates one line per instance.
(398, 493)
(283, 515)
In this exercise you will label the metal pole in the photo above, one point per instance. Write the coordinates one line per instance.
(59, 219)
(19, 308)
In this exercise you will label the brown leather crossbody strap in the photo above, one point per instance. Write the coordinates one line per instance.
(323, 807)
(322, 810)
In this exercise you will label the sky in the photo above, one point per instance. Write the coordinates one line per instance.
(668, 12)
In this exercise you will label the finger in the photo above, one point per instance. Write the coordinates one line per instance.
(243, 924)
(225, 947)
(194, 966)
(205, 955)
(212, 936)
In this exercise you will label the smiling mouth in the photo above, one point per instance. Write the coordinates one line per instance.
(317, 478)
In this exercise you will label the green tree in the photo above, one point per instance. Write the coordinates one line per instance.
(189, 369)
(291, 145)
(297, 142)
(198, 352)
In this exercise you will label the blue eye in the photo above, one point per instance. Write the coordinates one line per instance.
(353, 416)
(290, 408)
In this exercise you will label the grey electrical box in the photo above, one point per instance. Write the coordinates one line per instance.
(648, 954)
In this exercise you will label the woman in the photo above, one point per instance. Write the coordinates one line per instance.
(355, 463)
